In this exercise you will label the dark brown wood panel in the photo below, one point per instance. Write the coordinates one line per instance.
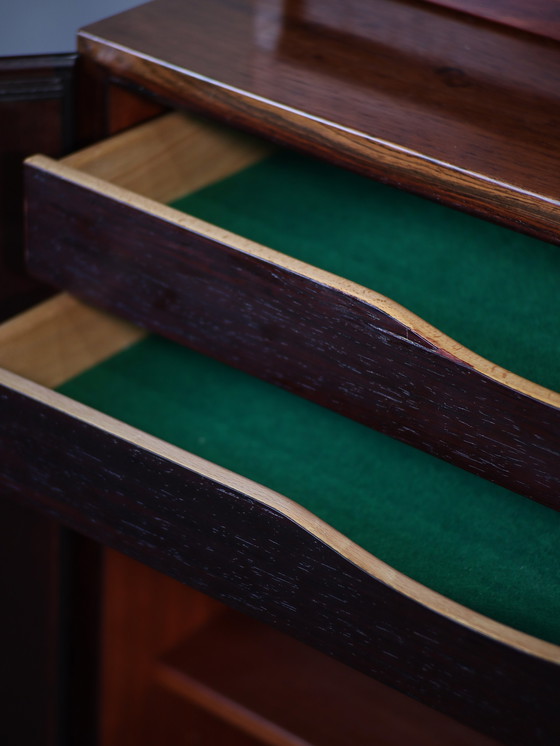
(437, 102)
(36, 115)
(104, 107)
(178, 667)
(80, 648)
(49, 599)
(279, 324)
(145, 614)
(30, 645)
(49, 104)
(48, 629)
(538, 16)
(202, 531)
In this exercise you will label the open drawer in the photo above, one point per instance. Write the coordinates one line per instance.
(245, 543)
(99, 225)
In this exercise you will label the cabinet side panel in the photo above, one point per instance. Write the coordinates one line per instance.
(36, 115)
(30, 545)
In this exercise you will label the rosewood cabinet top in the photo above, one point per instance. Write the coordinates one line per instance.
(456, 108)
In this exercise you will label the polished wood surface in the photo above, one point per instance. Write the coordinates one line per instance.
(242, 303)
(430, 100)
(197, 522)
(538, 16)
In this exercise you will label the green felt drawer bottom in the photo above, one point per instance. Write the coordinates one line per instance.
(485, 547)
(491, 289)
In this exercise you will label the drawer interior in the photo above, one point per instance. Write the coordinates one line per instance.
(471, 540)
(309, 330)
(487, 287)
(466, 538)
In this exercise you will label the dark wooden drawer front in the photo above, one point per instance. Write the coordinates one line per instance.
(250, 546)
(305, 329)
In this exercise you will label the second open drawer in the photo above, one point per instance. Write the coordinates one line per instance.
(239, 540)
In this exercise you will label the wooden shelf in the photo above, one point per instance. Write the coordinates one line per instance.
(181, 669)
(285, 693)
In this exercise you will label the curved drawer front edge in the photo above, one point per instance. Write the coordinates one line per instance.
(469, 190)
(161, 505)
(357, 352)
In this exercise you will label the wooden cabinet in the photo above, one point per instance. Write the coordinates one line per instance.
(391, 92)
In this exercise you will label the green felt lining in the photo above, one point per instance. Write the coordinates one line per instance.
(479, 544)
(493, 290)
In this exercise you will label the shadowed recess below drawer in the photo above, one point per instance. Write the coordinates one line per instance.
(491, 289)
(475, 542)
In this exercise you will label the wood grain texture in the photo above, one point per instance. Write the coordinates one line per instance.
(261, 553)
(436, 102)
(315, 334)
(61, 338)
(539, 16)
(170, 157)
